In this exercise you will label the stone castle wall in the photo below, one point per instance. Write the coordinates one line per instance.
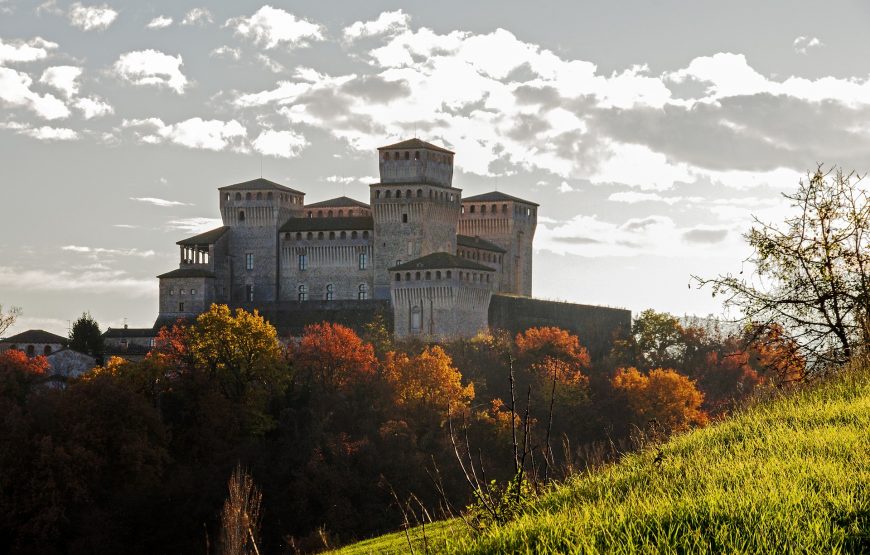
(328, 262)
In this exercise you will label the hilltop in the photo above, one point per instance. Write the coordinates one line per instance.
(785, 475)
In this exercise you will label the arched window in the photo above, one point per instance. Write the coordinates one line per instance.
(462, 210)
(365, 234)
(353, 234)
(438, 274)
(309, 236)
(247, 196)
(331, 235)
(407, 155)
(363, 292)
(310, 214)
(343, 235)
(416, 155)
(259, 196)
(349, 213)
(428, 275)
(330, 292)
(472, 209)
(298, 235)
(241, 215)
(320, 213)
(504, 208)
(398, 276)
(303, 293)
(340, 213)
(31, 350)
(320, 235)
(419, 193)
(329, 213)
(227, 198)
(494, 209)
(47, 350)
(483, 209)
(407, 276)
(431, 193)
(387, 193)
(269, 196)
(417, 276)
(238, 196)
(398, 194)
(408, 193)
(449, 274)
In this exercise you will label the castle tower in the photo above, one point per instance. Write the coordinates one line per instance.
(510, 223)
(254, 210)
(415, 207)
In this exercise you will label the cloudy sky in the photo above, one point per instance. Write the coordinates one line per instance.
(649, 132)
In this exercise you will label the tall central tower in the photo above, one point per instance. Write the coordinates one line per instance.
(415, 206)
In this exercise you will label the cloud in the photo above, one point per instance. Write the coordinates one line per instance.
(84, 281)
(227, 52)
(46, 133)
(341, 179)
(193, 225)
(270, 27)
(193, 133)
(152, 67)
(639, 166)
(62, 78)
(160, 22)
(282, 144)
(705, 236)
(159, 201)
(802, 44)
(564, 187)
(30, 51)
(197, 16)
(99, 250)
(93, 107)
(15, 90)
(89, 18)
(386, 23)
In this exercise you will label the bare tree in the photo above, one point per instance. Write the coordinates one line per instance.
(812, 272)
(8, 318)
(240, 518)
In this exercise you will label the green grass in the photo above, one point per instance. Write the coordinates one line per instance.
(791, 475)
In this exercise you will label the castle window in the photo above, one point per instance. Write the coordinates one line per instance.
(363, 292)
(494, 209)
(309, 236)
(298, 235)
(320, 235)
(472, 209)
(47, 350)
(353, 234)
(417, 276)
(330, 292)
(363, 261)
(310, 213)
(329, 213)
(269, 196)
(407, 276)
(487, 278)
(504, 208)
(451, 197)
(238, 196)
(182, 291)
(416, 318)
(407, 155)
(241, 215)
(227, 198)
(349, 213)
(31, 350)
(416, 155)
(398, 277)
(180, 307)
(449, 274)
(387, 193)
(320, 213)
(171, 292)
(303, 262)
(303, 293)
(431, 193)
(331, 235)
(259, 196)
(343, 235)
(365, 234)
(438, 274)
(428, 275)
(249, 293)
(249, 261)
(247, 196)
(340, 213)
(378, 193)
(528, 212)
(462, 210)
(419, 193)
(408, 193)
(399, 194)
(483, 209)
(193, 291)
(404, 218)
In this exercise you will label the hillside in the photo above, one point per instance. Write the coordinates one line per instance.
(788, 475)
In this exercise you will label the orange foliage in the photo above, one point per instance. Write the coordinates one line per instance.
(555, 352)
(15, 359)
(779, 356)
(664, 395)
(427, 380)
(171, 345)
(334, 355)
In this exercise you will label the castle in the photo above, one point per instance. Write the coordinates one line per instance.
(435, 256)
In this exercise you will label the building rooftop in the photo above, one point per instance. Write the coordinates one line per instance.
(416, 143)
(478, 243)
(438, 261)
(338, 201)
(329, 224)
(497, 196)
(187, 273)
(207, 238)
(259, 184)
(129, 332)
(35, 336)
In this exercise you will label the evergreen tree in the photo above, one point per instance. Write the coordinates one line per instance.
(85, 336)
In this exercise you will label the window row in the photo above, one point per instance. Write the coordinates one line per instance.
(302, 261)
(31, 350)
(478, 255)
(331, 235)
(493, 209)
(388, 193)
(182, 292)
(330, 213)
(463, 276)
(269, 196)
(362, 292)
(406, 155)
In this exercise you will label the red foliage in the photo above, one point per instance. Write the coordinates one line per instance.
(554, 351)
(334, 356)
(13, 359)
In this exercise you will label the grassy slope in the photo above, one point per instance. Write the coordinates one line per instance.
(790, 475)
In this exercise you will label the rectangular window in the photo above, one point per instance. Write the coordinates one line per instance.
(249, 293)
(363, 261)
(404, 218)
(180, 307)
(303, 262)
(249, 261)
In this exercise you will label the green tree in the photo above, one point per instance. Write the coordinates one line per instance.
(85, 336)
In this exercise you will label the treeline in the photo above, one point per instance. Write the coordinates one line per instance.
(338, 430)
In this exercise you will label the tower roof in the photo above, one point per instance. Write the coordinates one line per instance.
(187, 273)
(478, 243)
(259, 184)
(207, 238)
(497, 196)
(438, 261)
(416, 143)
(338, 201)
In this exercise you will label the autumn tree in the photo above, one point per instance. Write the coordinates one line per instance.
(332, 356)
(811, 273)
(662, 396)
(85, 336)
(427, 381)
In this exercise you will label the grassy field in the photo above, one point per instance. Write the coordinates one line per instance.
(791, 475)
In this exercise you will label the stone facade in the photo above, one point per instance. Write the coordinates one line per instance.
(34, 343)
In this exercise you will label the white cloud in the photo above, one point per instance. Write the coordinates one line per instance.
(159, 201)
(802, 44)
(15, 90)
(633, 197)
(193, 225)
(30, 51)
(197, 16)
(62, 78)
(87, 281)
(340, 179)
(639, 166)
(386, 23)
(160, 22)
(152, 67)
(270, 27)
(564, 187)
(193, 132)
(92, 107)
(227, 52)
(283, 144)
(89, 18)
(99, 250)
(46, 133)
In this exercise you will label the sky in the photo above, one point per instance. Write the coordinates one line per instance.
(651, 133)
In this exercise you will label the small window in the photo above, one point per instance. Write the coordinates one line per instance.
(472, 209)
(303, 293)
(303, 262)
(363, 261)
(331, 235)
(407, 276)
(449, 274)
(349, 213)
(419, 193)
(320, 213)
(249, 261)
(416, 318)
(180, 307)
(171, 292)
(309, 236)
(249, 293)
(343, 235)
(341, 213)
(378, 193)
(329, 213)
(399, 194)
(259, 196)
(363, 292)
(269, 196)
(298, 235)
(404, 218)
(310, 214)
(417, 276)
(182, 291)
(247, 196)
(398, 277)
(365, 234)
(438, 274)
(408, 193)
(330, 292)
(387, 194)
(483, 209)
(238, 196)
(193, 291)
(47, 350)
(320, 235)
(416, 155)
(241, 215)
(353, 234)
(428, 275)
(227, 197)
(494, 209)
(504, 208)
(407, 155)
